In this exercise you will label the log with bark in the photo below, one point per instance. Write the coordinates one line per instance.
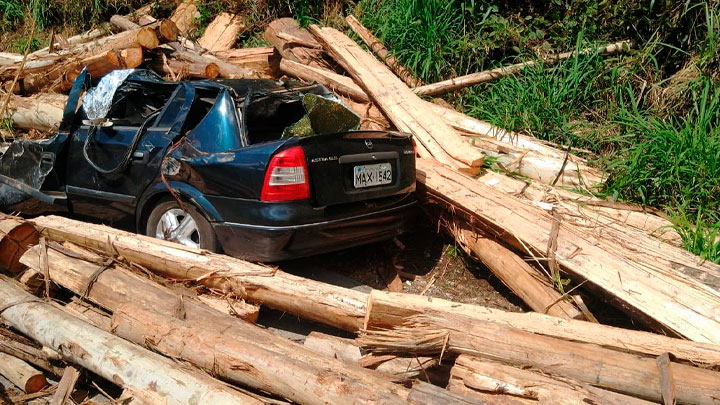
(226, 69)
(117, 284)
(396, 367)
(526, 281)
(62, 74)
(517, 152)
(111, 357)
(15, 345)
(42, 112)
(407, 111)
(265, 60)
(486, 380)
(652, 291)
(251, 356)
(221, 34)
(185, 17)
(182, 70)
(338, 306)
(388, 310)
(460, 82)
(377, 46)
(295, 43)
(332, 305)
(619, 371)
(21, 374)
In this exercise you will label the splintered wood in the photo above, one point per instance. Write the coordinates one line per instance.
(406, 110)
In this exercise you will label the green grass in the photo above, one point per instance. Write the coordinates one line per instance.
(545, 101)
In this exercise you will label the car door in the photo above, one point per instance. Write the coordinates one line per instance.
(97, 150)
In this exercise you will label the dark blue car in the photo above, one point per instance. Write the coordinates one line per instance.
(259, 169)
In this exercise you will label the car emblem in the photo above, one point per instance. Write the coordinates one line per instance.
(368, 143)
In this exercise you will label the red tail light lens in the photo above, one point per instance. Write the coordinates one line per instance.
(286, 178)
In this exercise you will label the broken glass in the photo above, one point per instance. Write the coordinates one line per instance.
(99, 99)
(325, 115)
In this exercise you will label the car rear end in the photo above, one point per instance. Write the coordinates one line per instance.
(327, 192)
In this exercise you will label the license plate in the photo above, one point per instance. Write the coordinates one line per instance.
(372, 175)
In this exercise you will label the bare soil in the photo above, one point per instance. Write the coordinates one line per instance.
(428, 263)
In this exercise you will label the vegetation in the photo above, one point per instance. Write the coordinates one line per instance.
(649, 117)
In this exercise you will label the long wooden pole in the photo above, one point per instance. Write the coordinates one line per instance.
(460, 82)
(240, 354)
(614, 370)
(332, 305)
(377, 46)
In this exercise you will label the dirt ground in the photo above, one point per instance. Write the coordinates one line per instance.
(428, 264)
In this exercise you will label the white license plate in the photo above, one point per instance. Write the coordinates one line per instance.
(372, 175)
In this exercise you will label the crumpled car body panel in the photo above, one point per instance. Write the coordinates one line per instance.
(210, 143)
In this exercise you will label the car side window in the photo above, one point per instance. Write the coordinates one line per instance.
(133, 106)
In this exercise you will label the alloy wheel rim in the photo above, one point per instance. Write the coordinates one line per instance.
(178, 226)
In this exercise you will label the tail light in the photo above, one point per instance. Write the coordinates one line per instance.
(286, 178)
(414, 146)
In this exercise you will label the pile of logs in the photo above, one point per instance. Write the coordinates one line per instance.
(163, 323)
(96, 301)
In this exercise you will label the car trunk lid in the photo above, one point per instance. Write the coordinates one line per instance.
(359, 165)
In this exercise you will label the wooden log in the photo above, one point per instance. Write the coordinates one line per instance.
(456, 83)
(407, 111)
(65, 386)
(387, 310)
(15, 239)
(185, 17)
(489, 379)
(236, 354)
(336, 306)
(40, 358)
(117, 285)
(21, 374)
(613, 370)
(518, 152)
(180, 69)
(347, 350)
(221, 34)
(126, 364)
(227, 70)
(295, 43)
(123, 23)
(654, 293)
(42, 112)
(63, 74)
(377, 46)
(527, 282)
(264, 60)
(165, 30)
(9, 58)
(78, 39)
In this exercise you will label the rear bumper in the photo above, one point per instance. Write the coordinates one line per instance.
(277, 243)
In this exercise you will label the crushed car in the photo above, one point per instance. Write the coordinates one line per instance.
(263, 170)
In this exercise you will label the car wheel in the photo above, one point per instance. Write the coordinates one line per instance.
(168, 221)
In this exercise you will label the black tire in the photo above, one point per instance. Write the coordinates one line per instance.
(204, 234)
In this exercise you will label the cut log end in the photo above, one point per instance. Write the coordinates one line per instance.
(147, 38)
(35, 384)
(168, 31)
